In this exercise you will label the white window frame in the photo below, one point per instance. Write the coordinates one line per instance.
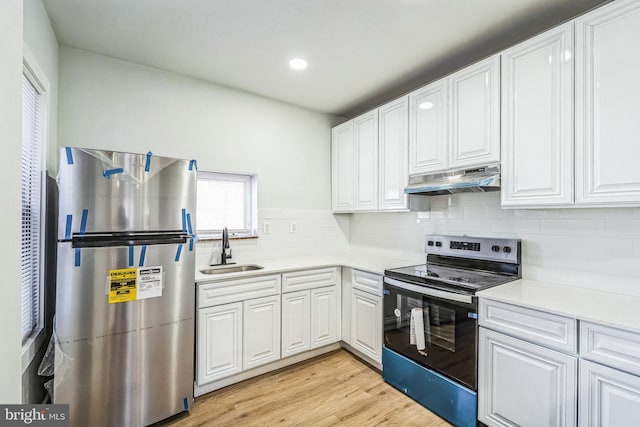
(37, 77)
(250, 202)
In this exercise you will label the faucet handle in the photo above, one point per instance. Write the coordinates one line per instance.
(229, 255)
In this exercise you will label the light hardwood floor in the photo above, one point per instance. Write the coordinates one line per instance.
(335, 389)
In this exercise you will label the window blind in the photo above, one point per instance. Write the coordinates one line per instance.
(31, 171)
(224, 200)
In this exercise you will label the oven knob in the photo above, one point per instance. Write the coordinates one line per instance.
(438, 244)
(430, 243)
(495, 248)
(506, 249)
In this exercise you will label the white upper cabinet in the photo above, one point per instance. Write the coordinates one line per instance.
(428, 128)
(475, 115)
(537, 120)
(607, 105)
(365, 131)
(454, 122)
(342, 167)
(393, 138)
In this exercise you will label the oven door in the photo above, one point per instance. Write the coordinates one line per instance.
(435, 328)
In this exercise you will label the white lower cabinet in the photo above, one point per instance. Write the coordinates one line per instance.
(524, 384)
(324, 316)
(219, 352)
(261, 331)
(366, 324)
(309, 319)
(296, 323)
(608, 397)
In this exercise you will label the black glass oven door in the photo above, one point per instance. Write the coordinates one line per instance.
(434, 328)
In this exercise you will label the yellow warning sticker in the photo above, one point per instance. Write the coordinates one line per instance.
(123, 285)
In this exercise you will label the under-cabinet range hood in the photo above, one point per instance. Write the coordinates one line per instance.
(478, 179)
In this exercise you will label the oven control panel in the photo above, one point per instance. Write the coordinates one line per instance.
(486, 248)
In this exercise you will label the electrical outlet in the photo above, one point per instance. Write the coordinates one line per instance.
(293, 227)
(266, 227)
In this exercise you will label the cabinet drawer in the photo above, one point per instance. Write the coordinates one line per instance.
(367, 282)
(549, 330)
(308, 279)
(226, 291)
(610, 346)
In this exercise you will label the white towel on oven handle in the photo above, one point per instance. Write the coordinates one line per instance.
(416, 328)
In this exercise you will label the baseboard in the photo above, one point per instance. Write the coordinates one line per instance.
(279, 364)
(360, 355)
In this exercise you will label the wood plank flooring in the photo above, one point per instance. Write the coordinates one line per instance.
(335, 389)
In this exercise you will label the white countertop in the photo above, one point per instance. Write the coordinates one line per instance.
(372, 264)
(571, 301)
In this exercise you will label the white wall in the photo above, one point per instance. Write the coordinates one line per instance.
(113, 104)
(593, 248)
(10, 215)
(41, 40)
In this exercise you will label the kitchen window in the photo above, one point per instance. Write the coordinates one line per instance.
(226, 200)
(34, 120)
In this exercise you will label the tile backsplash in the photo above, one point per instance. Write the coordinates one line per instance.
(318, 232)
(596, 248)
(587, 247)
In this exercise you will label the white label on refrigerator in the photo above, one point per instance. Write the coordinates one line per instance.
(149, 282)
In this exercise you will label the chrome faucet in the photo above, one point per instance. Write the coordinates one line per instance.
(224, 256)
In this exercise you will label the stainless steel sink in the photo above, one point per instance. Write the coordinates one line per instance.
(223, 269)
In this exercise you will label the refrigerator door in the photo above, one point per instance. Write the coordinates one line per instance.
(127, 363)
(109, 191)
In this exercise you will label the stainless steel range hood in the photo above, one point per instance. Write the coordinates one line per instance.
(479, 179)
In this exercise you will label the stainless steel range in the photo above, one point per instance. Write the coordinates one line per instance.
(430, 320)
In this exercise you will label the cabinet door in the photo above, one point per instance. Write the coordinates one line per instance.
(607, 105)
(428, 128)
(296, 322)
(261, 331)
(393, 142)
(475, 115)
(219, 342)
(324, 316)
(365, 131)
(523, 384)
(537, 120)
(608, 397)
(366, 324)
(342, 167)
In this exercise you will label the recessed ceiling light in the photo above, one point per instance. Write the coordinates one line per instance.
(298, 64)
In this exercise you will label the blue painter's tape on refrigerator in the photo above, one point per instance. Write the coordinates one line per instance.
(67, 230)
(130, 256)
(143, 253)
(178, 252)
(107, 174)
(69, 156)
(147, 164)
(83, 221)
(77, 257)
(191, 244)
(193, 165)
(185, 402)
(189, 223)
(184, 220)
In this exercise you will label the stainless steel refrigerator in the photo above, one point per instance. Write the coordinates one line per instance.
(124, 322)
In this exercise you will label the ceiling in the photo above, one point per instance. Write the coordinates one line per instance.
(360, 52)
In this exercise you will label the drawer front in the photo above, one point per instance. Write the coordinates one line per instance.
(549, 330)
(309, 279)
(227, 291)
(614, 347)
(367, 282)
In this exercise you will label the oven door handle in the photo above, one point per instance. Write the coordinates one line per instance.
(450, 296)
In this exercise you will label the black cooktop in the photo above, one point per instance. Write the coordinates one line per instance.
(455, 279)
